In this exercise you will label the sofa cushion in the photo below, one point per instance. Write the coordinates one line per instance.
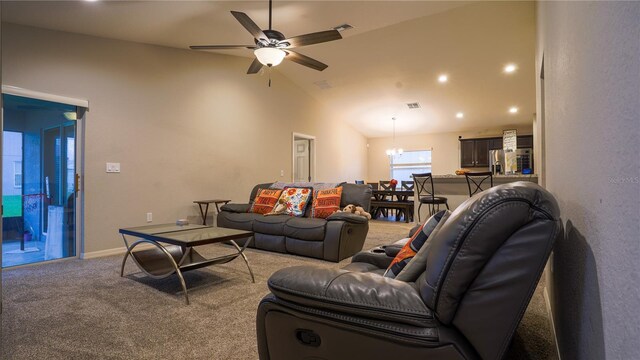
(240, 221)
(254, 191)
(326, 202)
(313, 249)
(359, 195)
(272, 225)
(414, 245)
(297, 200)
(236, 208)
(305, 228)
(418, 263)
(269, 242)
(265, 200)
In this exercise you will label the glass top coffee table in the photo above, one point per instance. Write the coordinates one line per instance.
(177, 254)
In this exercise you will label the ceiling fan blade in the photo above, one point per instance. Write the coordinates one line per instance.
(305, 60)
(313, 38)
(220, 47)
(251, 26)
(254, 67)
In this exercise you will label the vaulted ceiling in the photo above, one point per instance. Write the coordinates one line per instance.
(392, 57)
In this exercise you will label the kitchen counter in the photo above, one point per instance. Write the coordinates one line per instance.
(516, 177)
(455, 189)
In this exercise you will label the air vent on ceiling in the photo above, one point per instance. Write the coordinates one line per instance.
(414, 105)
(323, 84)
(343, 27)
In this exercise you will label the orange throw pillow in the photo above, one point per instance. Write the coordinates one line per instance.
(326, 202)
(265, 200)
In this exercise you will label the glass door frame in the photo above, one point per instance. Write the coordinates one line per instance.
(63, 181)
(82, 107)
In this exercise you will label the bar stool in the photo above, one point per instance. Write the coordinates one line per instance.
(426, 193)
(477, 178)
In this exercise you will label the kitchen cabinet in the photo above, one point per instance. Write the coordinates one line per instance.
(495, 144)
(525, 141)
(467, 153)
(474, 152)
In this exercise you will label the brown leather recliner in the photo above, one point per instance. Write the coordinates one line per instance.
(483, 266)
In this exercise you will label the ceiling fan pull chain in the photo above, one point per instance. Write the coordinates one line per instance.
(269, 75)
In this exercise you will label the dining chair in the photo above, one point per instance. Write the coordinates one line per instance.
(407, 185)
(374, 186)
(426, 193)
(360, 182)
(386, 185)
(475, 181)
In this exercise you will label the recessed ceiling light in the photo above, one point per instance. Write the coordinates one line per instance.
(460, 115)
(443, 78)
(513, 109)
(510, 68)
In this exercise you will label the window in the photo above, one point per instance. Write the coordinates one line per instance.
(17, 174)
(410, 162)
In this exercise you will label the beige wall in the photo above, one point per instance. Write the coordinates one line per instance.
(446, 150)
(592, 140)
(184, 125)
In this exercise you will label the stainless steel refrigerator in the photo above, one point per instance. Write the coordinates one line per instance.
(524, 159)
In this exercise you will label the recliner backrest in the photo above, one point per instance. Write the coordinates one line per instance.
(485, 262)
(356, 194)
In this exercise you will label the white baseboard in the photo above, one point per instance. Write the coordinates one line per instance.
(110, 252)
(552, 324)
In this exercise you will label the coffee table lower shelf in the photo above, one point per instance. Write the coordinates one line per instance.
(161, 261)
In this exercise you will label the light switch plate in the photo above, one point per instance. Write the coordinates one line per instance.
(113, 167)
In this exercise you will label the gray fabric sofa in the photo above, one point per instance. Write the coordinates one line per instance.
(338, 237)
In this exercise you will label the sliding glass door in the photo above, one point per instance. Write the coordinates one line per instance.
(39, 181)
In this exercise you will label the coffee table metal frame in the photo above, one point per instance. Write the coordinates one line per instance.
(179, 256)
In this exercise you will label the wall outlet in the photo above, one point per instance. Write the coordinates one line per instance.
(113, 167)
(149, 217)
(281, 173)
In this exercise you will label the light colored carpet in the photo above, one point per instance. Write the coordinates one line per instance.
(83, 309)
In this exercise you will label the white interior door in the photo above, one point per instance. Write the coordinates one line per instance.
(302, 162)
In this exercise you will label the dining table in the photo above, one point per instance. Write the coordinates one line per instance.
(393, 199)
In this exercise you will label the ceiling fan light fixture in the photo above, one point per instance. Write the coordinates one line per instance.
(269, 56)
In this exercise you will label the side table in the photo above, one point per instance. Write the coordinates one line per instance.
(206, 203)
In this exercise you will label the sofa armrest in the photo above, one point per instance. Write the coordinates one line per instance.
(348, 217)
(360, 294)
(236, 208)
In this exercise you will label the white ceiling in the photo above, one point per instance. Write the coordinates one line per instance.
(392, 56)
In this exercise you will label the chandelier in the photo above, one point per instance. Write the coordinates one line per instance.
(394, 150)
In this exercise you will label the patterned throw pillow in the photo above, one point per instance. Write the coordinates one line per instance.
(326, 202)
(265, 200)
(297, 200)
(410, 249)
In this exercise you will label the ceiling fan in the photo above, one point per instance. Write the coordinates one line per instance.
(271, 46)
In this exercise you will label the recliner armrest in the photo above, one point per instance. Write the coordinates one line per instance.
(236, 208)
(348, 217)
(361, 294)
